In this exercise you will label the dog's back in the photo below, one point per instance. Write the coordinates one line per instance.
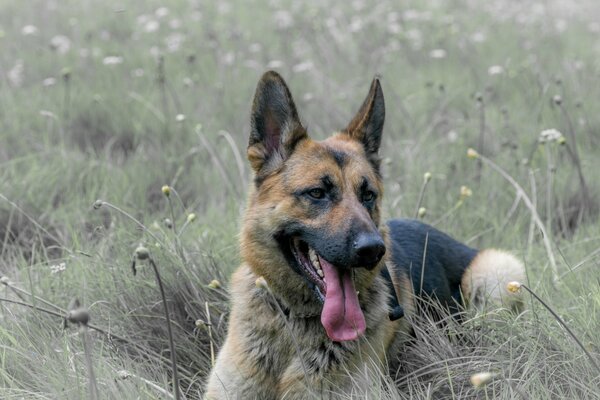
(449, 271)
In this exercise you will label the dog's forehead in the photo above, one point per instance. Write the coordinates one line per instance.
(335, 156)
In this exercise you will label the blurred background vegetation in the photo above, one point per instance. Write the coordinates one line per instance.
(112, 100)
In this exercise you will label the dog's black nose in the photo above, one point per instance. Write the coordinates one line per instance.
(369, 249)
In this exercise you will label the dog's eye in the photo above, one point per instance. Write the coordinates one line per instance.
(316, 193)
(368, 196)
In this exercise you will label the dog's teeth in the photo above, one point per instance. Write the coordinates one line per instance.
(312, 255)
(320, 272)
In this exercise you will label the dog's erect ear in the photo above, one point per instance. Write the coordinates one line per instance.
(367, 124)
(275, 128)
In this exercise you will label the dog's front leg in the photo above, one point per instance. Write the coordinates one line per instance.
(236, 377)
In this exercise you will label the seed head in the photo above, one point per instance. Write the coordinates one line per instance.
(180, 118)
(122, 374)
(481, 379)
(465, 192)
(557, 100)
(214, 284)
(191, 217)
(97, 204)
(142, 253)
(472, 153)
(200, 323)
(422, 211)
(166, 190)
(513, 287)
(4, 280)
(168, 223)
(79, 316)
(66, 73)
(427, 177)
(261, 283)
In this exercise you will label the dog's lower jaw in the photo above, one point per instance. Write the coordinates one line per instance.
(269, 355)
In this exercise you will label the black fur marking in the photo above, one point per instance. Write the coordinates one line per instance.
(340, 157)
(445, 261)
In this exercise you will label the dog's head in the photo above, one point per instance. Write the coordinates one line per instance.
(312, 224)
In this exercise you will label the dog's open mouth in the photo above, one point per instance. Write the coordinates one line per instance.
(341, 316)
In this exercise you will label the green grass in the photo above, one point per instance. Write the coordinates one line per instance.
(111, 132)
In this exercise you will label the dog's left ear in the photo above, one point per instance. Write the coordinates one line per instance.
(367, 124)
(275, 128)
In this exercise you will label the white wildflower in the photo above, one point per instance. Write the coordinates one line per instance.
(48, 114)
(50, 81)
(283, 19)
(61, 44)
(495, 70)
(151, 26)
(255, 48)
(478, 37)
(28, 30)
(356, 24)
(174, 41)
(437, 53)
(228, 58)
(550, 135)
(275, 64)
(161, 12)
(155, 51)
(58, 268)
(112, 60)
(303, 66)
(180, 118)
(15, 74)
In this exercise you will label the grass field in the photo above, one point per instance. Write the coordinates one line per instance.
(110, 101)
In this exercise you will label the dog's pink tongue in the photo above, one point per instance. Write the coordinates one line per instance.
(341, 317)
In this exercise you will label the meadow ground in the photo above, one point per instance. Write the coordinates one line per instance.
(111, 101)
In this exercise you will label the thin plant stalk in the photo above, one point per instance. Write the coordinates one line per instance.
(236, 154)
(210, 336)
(574, 155)
(531, 232)
(217, 161)
(549, 187)
(564, 325)
(100, 203)
(169, 330)
(83, 330)
(530, 206)
(422, 194)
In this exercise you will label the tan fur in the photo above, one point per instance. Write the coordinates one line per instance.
(485, 280)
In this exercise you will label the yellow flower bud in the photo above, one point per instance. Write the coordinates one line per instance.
(513, 287)
(191, 217)
(472, 153)
(214, 284)
(166, 190)
(427, 177)
(422, 211)
(465, 192)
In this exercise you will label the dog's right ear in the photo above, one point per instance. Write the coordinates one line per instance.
(275, 128)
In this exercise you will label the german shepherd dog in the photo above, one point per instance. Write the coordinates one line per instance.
(318, 300)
